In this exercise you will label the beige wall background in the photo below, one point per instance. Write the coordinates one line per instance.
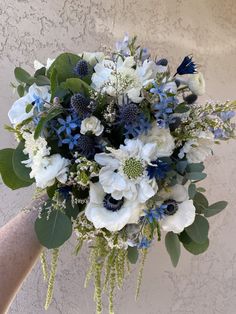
(207, 28)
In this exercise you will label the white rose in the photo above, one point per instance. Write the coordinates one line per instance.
(196, 84)
(197, 150)
(91, 124)
(50, 168)
(162, 138)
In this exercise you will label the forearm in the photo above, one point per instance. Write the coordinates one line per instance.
(19, 249)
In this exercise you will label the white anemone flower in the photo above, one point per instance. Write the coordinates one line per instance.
(162, 138)
(17, 113)
(198, 149)
(124, 171)
(120, 77)
(105, 212)
(180, 211)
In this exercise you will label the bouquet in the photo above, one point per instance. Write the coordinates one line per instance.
(118, 142)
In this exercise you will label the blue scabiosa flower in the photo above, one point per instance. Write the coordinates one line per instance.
(71, 140)
(144, 243)
(187, 66)
(158, 169)
(82, 68)
(66, 125)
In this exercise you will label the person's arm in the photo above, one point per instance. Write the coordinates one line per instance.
(19, 250)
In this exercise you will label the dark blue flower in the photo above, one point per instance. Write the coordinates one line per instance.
(158, 169)
(87, 146)
(187, 66)
(67, 125)
(71, 140)
(144, 243)
(141, 126)
(64, 191)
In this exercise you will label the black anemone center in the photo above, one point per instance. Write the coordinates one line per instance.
(111, 204)
(171, 207)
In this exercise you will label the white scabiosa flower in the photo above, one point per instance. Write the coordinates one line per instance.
(162, 138)
(37, 94)
(198, 149)
(196, 83)
(179, 212)
(105, 212)
(124, 171)
(93, 125)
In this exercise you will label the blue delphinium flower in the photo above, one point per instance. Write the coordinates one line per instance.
(158, 169)
(155, 214)
(38, 102)
(67, 125)
(144, 243)
(158, 90)
(187, 66)
(141, 126)
(71, 140)
(219, 133)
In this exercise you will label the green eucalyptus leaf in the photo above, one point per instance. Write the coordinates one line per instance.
(200, 199)
(20, 169)
(64, 64)
(53, 83)
(198, 231)
(191, 246)
(215, 208)
(173, 247)
(42, 80)
(181, 166)
(29, 107)
(7, 172)
(133, 254)
(195, 176)
(21, 75)
(195, 167)
(192, 190)
(41, 71)
(20, 90)
(54, 231)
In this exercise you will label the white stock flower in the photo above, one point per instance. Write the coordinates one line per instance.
(162, 138)
(38, 65)
(113, 217)
(44, 168)
(198, 149)
(124, 171)
(196, 83)
(92, 124)
(92, 57)
(17, 113)
(181, 211)
(116, 78)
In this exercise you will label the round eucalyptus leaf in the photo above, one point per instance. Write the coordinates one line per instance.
(198, 231)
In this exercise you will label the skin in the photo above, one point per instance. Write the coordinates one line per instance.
(19, 250)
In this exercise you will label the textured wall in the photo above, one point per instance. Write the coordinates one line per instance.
(171, 28)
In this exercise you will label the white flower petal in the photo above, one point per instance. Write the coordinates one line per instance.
(183, 218)
(17, 113)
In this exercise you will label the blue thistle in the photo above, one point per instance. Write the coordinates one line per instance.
(187, 66)
(82, 68)
(86, 146)
(158, 169)
(80, 105)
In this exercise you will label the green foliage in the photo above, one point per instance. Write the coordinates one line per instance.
(195, 176)
(198, 231)
(64, 64)
(20, 90)
(50, 115)
(181, 166)
(182, 108)
(196, 167)
(76, 85)
(21, 75)
(7, 171)
(200, 202)
(51, 190)
(20, 169)
(191, 246)
(173, 247)
(133, 254)
(192, 190)
(53, 83)
(54, 230)
(215, 208)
